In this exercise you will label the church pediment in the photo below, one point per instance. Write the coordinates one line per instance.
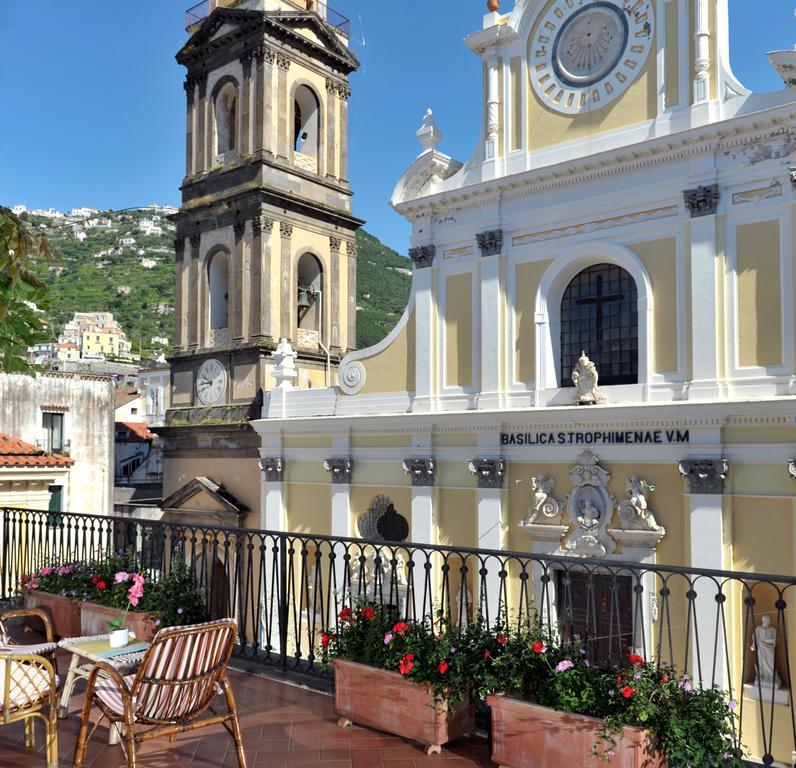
(202, 501)
(318, 33)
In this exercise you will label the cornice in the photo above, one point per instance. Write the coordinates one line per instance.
(719, 137)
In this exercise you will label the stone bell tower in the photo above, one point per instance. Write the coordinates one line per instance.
(265, 244)
(265, 236)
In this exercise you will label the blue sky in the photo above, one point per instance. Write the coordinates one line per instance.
(93, 105)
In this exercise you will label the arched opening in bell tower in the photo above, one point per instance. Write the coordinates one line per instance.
(310, 293)
(226, 119)
(306, 123)
(218, 281)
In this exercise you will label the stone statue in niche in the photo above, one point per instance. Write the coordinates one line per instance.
(634, 511)
(284, 370)
(589, 507)
(585, 378)
(589, 517)
(764, 645)
(544, 508)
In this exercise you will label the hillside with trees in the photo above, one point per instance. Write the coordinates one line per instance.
(135, 280)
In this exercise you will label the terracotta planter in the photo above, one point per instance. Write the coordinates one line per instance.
(64, 611)
(94, 620)
(525, 735)
(385, 701)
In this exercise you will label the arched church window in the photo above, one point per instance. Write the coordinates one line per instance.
(306, 123)
(383, 523)
(310, 293)
(218, 281)
(599, 316)
(226, 123)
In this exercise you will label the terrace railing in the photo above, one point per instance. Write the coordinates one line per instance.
(285, 589)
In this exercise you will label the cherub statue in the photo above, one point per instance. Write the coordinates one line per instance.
(589, 517)
(542, 503)
(636, 509)
(585, 378)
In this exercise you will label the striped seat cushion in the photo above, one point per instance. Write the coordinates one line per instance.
(36, 649)
(30, 685)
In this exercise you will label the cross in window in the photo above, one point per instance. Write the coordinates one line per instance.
(599, 301)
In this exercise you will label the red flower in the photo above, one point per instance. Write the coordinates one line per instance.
(665, 678)
(95, 579)
(101, 585)
(406, 663)
(627, 692)
(636, 659)
(501, 639)
(487, 654)
(400, 627)
(326, 638)
(539, 647)
(618, 679)
(442, 667)
(346, 614)
(368, 612)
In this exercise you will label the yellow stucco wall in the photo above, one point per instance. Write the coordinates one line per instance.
(393, 369)
(459, 330)
(672, 55)
(637, 104)
(759, 303)
(660, 260)
(309, 507)
(526, 280)
(516, 102)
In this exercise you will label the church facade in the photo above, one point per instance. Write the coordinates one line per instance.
(630, 202)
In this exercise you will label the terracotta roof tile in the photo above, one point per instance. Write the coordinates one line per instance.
(138, 429)
(17, 453)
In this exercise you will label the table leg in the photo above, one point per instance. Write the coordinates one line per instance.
(114, 733)
(69, 683)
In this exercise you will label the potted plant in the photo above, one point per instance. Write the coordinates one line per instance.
(562, 709)
(413, 679)
(56, 589)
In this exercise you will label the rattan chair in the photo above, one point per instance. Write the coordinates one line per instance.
(28, 689)
(173, 691)
(46, 649)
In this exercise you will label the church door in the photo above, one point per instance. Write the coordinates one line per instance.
(597, 609)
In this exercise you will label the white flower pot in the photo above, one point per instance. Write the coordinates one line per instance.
(119, 638)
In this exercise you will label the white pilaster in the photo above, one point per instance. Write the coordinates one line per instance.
(491, 346)
(702, 53)
(492, 107)
(425, 319)
(423, 531)
(704, 301)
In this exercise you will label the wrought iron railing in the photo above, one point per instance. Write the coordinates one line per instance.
(286, 588)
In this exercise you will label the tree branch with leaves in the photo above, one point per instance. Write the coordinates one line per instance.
(23, 297)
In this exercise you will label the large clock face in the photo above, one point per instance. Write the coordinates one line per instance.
(211, 382)
(586, 53)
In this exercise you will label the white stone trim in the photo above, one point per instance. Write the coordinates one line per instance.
(548, 310)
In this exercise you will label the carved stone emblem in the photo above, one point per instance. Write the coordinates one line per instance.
(585, 377)
(421, 471)
(422, 256)
(340, 469)
(704, 475)
(792, 468)
(490, 473)
(491, 242)
(702, 201)
(273, 468)
(545, 509)
(590, 508)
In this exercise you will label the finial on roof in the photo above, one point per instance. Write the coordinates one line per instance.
(429, 135)
(493, 5)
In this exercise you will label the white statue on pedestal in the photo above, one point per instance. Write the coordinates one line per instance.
(764, 645)
(585, 378)
(284, 364)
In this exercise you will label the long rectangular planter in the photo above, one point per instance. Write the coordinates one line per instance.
(525, 735)
(94, 620)
(64, 611)
(386, 701)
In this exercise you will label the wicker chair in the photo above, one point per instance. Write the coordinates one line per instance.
(28, 691)
(46, 649)
(182, 673)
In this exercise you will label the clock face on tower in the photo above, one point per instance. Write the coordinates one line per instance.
(211, 382)
(586, 53)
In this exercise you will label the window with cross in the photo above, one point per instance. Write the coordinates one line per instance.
(599, 316)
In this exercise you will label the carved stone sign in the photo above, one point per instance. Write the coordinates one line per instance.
(599, 437)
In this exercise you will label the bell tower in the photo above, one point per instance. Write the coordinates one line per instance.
(265, 244)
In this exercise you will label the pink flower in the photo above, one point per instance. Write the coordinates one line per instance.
(136, 592)
(121, 576)
(563, 666)
(64, 570)
(46, 571)
(388, 638)
(33, 583)
(732, 704)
